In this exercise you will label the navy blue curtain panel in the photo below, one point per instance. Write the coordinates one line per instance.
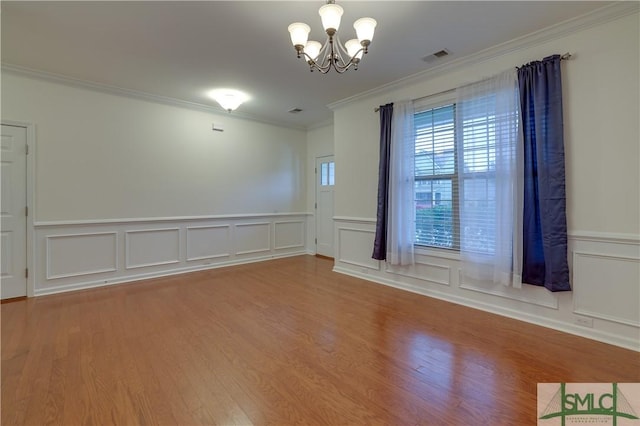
(380, 241)
(544, 260)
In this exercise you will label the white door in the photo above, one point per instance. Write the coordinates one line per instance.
(13, 250)
(325, 180)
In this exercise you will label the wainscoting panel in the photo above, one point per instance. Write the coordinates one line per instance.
(289, 235)
(607, 287)
(76, 255)
(351, 244)
(152, 247)
(252, 238)
(208, 242)
(533, 295)
(438, 274)
(6, 255)
(71, 255)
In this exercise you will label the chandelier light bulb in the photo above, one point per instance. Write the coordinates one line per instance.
(354, 48)
(364, 29)
(312, 49)
(331, 14)
(299, 33)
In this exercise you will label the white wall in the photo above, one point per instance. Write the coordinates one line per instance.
(127, 188)
(601, 127)
(319, 144)
(601, 105)
(104, 156)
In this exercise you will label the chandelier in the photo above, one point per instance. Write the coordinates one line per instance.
(332, 54)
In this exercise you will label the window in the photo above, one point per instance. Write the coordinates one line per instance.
(327, 173)
(436, 178)
(453, 167)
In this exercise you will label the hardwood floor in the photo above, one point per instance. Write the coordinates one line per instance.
(281, 342)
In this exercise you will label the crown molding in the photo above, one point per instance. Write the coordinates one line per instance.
(597, 17)
(324, 123)
(136, 94)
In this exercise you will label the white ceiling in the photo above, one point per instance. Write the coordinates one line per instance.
(181, 50)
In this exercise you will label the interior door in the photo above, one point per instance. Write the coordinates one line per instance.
(13, 211)
(325, 181)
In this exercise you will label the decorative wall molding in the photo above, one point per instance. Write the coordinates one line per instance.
(116, 221)
(292, 239)
(86, 255)
(252, 241)
(594, 18)
(132, 278)
(352, 257)
(212, 233)
(605, 237)
(135, 94)
(6, 242)
(529, 294)
(409, 272)
(606, 287)
(325, 123)
(151, 247)
(355, 219)
(71, 250)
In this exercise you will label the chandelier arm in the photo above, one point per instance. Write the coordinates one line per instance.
(340, 51)
(353, 61)
(330, 57)
(322, 67)
(342, 67)
(320, 63)
(338, 62)
(326, 53)
(332, 54)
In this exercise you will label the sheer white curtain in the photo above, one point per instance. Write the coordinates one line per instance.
(401, 211)
(490, 156)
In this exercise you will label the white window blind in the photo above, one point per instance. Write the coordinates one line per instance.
(436, 180)
(477, 129)
(482, 131)
(455, 171)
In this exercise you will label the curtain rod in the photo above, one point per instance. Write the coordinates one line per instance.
(563, 57)
(376, 109)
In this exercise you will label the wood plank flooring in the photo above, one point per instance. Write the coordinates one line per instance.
(280, 342)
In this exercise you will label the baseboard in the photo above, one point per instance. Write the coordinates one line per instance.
(321, 256)
(506, 312)
(152, 275)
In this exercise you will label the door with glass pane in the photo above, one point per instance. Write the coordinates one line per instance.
(325, 181)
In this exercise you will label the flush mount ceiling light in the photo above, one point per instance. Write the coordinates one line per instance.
(229, 99)
(332, 54)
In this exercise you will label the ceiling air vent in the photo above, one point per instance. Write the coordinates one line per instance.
(435, 56)
(295, 110)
